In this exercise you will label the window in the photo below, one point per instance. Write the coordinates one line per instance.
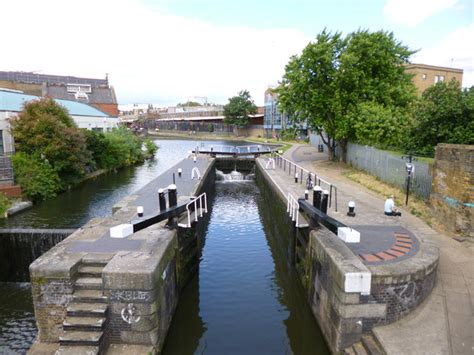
(438, 78)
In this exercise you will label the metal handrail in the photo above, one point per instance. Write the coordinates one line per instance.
(293, 208)
(202, 197)
(317, 179)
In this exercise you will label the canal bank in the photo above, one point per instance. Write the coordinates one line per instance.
(443, 322)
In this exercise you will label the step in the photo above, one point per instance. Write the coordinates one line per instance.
(371, 345)
(90, 271)
(87, 309)
(359, 349)
(97, 259)
(88, 283)
(77, 350)
(89, 296)
(84, 323)
(74, 337)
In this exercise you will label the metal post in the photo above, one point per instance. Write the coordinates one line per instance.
(162, 200)
(317, 191)
(324, 201)
(306, 194)
(180, 171)
(301, 176)
(172, 196)
(296, 178)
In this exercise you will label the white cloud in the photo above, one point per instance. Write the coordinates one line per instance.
(150, 56)
(413, 12)
(455, 50)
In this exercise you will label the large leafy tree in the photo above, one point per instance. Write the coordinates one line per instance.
(337, 80)
(45, 130)
(444, 114)
(239, 108)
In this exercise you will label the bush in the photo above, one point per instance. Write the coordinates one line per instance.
(37, 177)
(45, 129)
(150, 147)
(4, 204)
(210, 128)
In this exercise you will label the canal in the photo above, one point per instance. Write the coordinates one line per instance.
(245, 298)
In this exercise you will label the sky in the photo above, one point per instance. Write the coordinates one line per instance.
(165, 52)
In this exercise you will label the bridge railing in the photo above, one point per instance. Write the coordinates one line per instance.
(233, 148)
(312, 179)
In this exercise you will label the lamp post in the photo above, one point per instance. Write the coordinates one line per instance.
(410, 168)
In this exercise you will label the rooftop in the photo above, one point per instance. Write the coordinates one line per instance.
(14, 101)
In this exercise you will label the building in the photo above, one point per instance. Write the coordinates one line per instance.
(273, 120)
(85, 116)
(428, 75)
(95, 92)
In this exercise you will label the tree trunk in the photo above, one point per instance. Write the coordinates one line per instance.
(343, 144)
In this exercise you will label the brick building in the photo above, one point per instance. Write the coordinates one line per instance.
(428, 75)
(95, 92)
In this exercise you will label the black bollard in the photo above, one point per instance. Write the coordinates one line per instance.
(317, 191)
(172, 196)
(140, 211)
(324, 201)
(306, 194)
(180, 171)
(296, 177)
(162, 200)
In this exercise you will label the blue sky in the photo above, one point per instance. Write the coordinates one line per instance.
(167, 51)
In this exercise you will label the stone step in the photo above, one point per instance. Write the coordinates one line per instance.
(90, 271)
(88, 283)
(75, 337)
(84, 323)
(77, 350)
(359, 349)
(97, 259)
(371, 345)
(89, 296)
(87, 309)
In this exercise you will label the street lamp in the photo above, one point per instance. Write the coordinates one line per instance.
(410, 168)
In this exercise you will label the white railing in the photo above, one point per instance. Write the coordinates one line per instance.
(234, 149)
(197, 203)
(293, 208)
(313, 177)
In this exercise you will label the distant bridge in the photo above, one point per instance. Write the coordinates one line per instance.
(236, 151)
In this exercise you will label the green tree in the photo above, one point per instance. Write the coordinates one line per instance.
(444, 114)
(239, 108)
(331, 81)
(45, 129)
(36, 176)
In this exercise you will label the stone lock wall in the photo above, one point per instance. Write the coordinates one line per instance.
(452, 196)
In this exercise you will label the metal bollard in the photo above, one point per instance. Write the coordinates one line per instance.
(140, 211)
(351, 206)
(162, 200)
(317, 191)
(306, 194)
(172, 196)
(324, 201)
(296, 177)
(194, 159)
(180, 171)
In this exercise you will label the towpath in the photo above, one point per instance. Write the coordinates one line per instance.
(444, 322)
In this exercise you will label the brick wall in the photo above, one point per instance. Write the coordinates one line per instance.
(452, 196)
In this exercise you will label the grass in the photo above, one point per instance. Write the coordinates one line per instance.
(397, 153)
(416, 206)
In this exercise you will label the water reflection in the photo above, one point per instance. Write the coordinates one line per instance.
(249, 300)
(17, 321)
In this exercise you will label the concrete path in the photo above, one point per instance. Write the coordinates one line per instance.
(444, 322)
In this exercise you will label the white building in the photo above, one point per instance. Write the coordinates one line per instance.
(85, 116)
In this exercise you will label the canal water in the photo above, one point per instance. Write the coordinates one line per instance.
(246, 298)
